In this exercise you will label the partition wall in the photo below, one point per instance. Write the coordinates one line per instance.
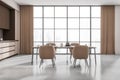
(61, 24)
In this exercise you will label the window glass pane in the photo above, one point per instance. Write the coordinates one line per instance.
(73, 42)
(85, 43)
(95, 35)
(84, 11)
(84, 35)
(48, 22)
(37, 11)
(60, 35)
(61, 51)
(49, 35)
(37, 44)
(48, 11)
(73, 11)
(95, 22)
(73, 23)
(45, 42)
(60, 23)
(96, 11)
(97, 45)
(73, 35)
(37, 22)
(60, 11)
(84, 22)
(37, 35)
(58, 43)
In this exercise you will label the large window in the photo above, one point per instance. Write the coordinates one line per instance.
(61, 24)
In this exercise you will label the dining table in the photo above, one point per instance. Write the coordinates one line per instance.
(61, 47)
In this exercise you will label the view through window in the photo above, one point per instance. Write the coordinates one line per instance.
(61, 24)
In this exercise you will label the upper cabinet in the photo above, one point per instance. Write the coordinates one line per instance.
(4, 17)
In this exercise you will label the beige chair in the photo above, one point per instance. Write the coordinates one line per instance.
(73, 44)
(51, 44)
(71, 48)
(47, 52)
(80, 52)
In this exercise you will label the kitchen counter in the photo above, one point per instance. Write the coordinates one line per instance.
(8, 48)
(4, 41)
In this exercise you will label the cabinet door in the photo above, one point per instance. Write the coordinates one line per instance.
(4, 17)
(7, 49)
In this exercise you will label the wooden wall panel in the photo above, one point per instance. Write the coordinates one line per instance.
(107, 30)
(26, 29)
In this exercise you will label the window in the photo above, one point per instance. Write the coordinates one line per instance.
(84, 11)
(60, 35)
(73, 23)
(37, 11)
(48, 11)
(73, 35)
(95, 27)
(48, 35)
(85, 23)
(60, 24)
(49, 23)
(73, 11)
(60, 12)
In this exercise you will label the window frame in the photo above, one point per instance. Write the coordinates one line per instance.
(67, 28)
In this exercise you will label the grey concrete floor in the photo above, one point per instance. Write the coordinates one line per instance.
(19, 68)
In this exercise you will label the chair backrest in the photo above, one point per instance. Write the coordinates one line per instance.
(47, 52)
(51, 44)
(80, 52)
(73, 44)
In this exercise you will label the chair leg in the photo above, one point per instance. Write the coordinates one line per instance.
(79, 63)
(55, 57)
(70, 57)
(53, 62)
(86, 62)
(41, 62)
(74, 63)
(89, 60)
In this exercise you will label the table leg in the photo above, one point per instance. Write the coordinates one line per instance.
(67, 56)
(95, 55)
(32, 57)
(37, 51)
(89, 57)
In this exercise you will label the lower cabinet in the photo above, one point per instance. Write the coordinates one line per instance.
(7, 49)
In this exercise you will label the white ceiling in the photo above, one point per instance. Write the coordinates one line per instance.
(68, 2)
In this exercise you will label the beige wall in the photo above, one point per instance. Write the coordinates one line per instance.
(12, 4)
(117, 29)
(17, 29)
